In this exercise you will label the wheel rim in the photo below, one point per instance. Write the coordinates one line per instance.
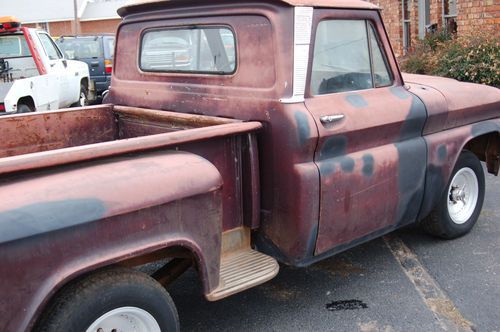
(83, 99)
(125, 319)
(463, 194)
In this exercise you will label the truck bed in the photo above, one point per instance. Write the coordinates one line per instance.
(53, 138)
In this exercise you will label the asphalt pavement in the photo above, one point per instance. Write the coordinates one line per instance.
(407, 281)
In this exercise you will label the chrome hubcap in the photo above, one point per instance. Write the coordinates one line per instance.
(463, 195)
(125, 319)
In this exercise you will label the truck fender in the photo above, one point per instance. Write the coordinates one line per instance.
(70, 220)
(444, 148)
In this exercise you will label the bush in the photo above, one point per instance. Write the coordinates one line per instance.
(469, 59)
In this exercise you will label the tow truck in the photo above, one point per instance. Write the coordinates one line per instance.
(34, 75)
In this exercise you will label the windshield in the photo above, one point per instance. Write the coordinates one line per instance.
(13, 46)
(80, 48)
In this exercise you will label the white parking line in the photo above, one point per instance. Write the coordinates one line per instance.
(434, 297)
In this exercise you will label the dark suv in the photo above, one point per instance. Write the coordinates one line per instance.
(97, 51)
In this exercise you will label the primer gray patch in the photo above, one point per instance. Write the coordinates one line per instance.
(400, 92)
(442, 152)
(46, 217)
(368, 164)
(304, 132)
(357, 101)
(347, 164)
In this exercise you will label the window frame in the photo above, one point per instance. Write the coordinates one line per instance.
(24, 38)
(448, 15)
(184, 72)
(58, 51)
(368, 24)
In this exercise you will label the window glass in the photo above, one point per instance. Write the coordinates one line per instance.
(50, 48)
(13, 46)
(202, 50)
(81, 48)
(341, 57)
(109, 47)
(381, 73)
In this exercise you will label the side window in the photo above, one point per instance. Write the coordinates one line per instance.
(195, 50)
(50, 48)
(381, 73)
(347, 57)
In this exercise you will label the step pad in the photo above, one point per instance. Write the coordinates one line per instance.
(242, 270)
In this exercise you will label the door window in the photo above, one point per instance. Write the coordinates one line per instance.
(50, 48)
(347, 57)
(381, 73)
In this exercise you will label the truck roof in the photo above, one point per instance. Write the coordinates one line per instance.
(133, 5)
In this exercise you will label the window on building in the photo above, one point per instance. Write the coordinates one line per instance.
(424, 17)
(347, 57)
(406, 25)
(450, 15)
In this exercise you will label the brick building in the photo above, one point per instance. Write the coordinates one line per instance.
(409, 20)
(58, 16)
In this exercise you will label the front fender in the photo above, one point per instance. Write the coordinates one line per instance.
(61, 223)
(443, 150)
(80, 68)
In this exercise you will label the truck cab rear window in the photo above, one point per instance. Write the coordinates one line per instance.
(13, 46)
(210, 50)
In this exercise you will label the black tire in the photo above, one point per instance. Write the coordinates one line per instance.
(78, 305)
(23, 108)
(440, 222)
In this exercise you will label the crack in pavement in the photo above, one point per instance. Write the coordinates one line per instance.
(443, 308)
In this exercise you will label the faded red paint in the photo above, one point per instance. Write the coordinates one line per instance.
(307, 190)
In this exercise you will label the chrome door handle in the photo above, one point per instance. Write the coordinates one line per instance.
(327, 119)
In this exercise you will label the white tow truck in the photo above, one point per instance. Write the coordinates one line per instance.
(34, 76)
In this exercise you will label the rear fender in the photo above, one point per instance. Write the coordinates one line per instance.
(443, 150)
(59, 224)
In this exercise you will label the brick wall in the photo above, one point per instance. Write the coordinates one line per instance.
(104, 26)
(87, 27)
(478, 16)
(391, 14)
(60, 28)
(473, 16)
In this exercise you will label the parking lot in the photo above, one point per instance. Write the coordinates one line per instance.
(434, 286)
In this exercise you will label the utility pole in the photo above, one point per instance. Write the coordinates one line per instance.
(75, 19)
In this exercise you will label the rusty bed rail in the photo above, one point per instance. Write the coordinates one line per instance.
(213, 128)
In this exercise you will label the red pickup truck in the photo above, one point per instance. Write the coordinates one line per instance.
(235, 135)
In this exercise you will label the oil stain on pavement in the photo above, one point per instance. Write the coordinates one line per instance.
(346, 305)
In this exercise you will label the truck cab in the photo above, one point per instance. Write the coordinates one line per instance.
(34, 75)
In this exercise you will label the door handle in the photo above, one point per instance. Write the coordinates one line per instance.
(94, 64)
(328, 119)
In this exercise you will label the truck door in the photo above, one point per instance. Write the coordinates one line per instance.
(57, 69)
(371, 156)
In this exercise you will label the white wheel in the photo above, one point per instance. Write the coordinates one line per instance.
(125, 319)
(460, 204)
(114, 299)
(83, 99)
(463, 193)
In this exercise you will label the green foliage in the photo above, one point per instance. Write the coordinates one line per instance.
(469, 59)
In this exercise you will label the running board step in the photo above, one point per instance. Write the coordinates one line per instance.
(243, 270)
